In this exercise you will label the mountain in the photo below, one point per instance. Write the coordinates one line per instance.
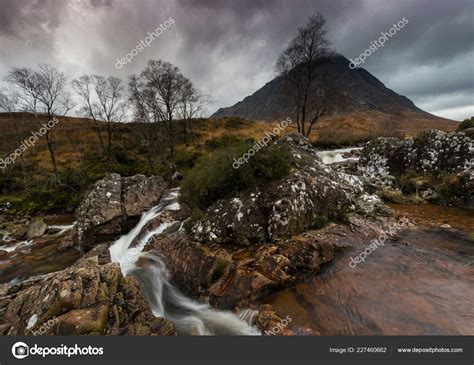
(351, 94)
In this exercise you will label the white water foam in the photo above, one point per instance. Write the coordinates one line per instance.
(188, 317)
(333, 156)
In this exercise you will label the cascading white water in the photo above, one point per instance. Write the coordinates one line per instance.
(12, 248)
(333, 156)
(188, 317)
(63, 228)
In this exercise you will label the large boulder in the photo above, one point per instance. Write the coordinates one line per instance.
(36, 228)
(312, 194)
(230, 276)
(431, 152)
(86, 299)
(114, 205)
(435, 166)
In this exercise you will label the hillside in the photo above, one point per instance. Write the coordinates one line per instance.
(352, 95)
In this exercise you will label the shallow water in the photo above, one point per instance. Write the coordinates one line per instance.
(39, 256)
(432, 216)
(423, 283)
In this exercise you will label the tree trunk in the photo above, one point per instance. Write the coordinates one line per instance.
(171, 134)
(109, 141)
(192, 133)
(51, 154)
(101, 140)
(185, 133)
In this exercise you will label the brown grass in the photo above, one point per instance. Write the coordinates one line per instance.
(74, 136)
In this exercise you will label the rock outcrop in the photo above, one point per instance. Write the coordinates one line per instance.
(310, 196)
(114, 205)
(231, 276)
(431, 152)
(86, 299)
(436, 166)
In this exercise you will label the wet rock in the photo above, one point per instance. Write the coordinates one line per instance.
(85, 299)
(100, 252)
(114, 206)
(13, 228)
(40, 256)
(36, 228)
(141, 193)
(230, 277)
(271, 324)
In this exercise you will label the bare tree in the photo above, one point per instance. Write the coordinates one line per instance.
(158, 91)
(9, 103)
(193, 104)
(84, 88)
(42, 92)
(298, 64)
(103, 101)
(147, 114)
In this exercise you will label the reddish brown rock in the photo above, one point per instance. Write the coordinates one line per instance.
(82, 300)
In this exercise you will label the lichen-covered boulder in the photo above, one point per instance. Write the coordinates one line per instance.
(312, 194)
(114, 205)
(435, 166)
(431, 152)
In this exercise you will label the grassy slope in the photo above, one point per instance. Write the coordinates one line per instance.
(80, 159)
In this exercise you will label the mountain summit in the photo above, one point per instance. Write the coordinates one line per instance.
(347, 94)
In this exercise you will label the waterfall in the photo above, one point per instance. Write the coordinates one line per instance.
(63, 228)
(333, 156)
(189, 317)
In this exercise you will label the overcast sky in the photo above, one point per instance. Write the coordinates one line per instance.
(228, 48)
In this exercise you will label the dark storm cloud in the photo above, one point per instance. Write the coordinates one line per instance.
(229, 48)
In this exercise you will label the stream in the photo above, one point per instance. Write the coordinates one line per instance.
(420, 284)
(189, 317)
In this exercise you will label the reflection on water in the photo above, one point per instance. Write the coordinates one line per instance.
(422, 283)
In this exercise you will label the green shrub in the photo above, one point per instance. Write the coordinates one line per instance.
(214, 177)
(184, 160)
(468, 123)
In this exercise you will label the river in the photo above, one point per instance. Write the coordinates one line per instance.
(421, 284)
